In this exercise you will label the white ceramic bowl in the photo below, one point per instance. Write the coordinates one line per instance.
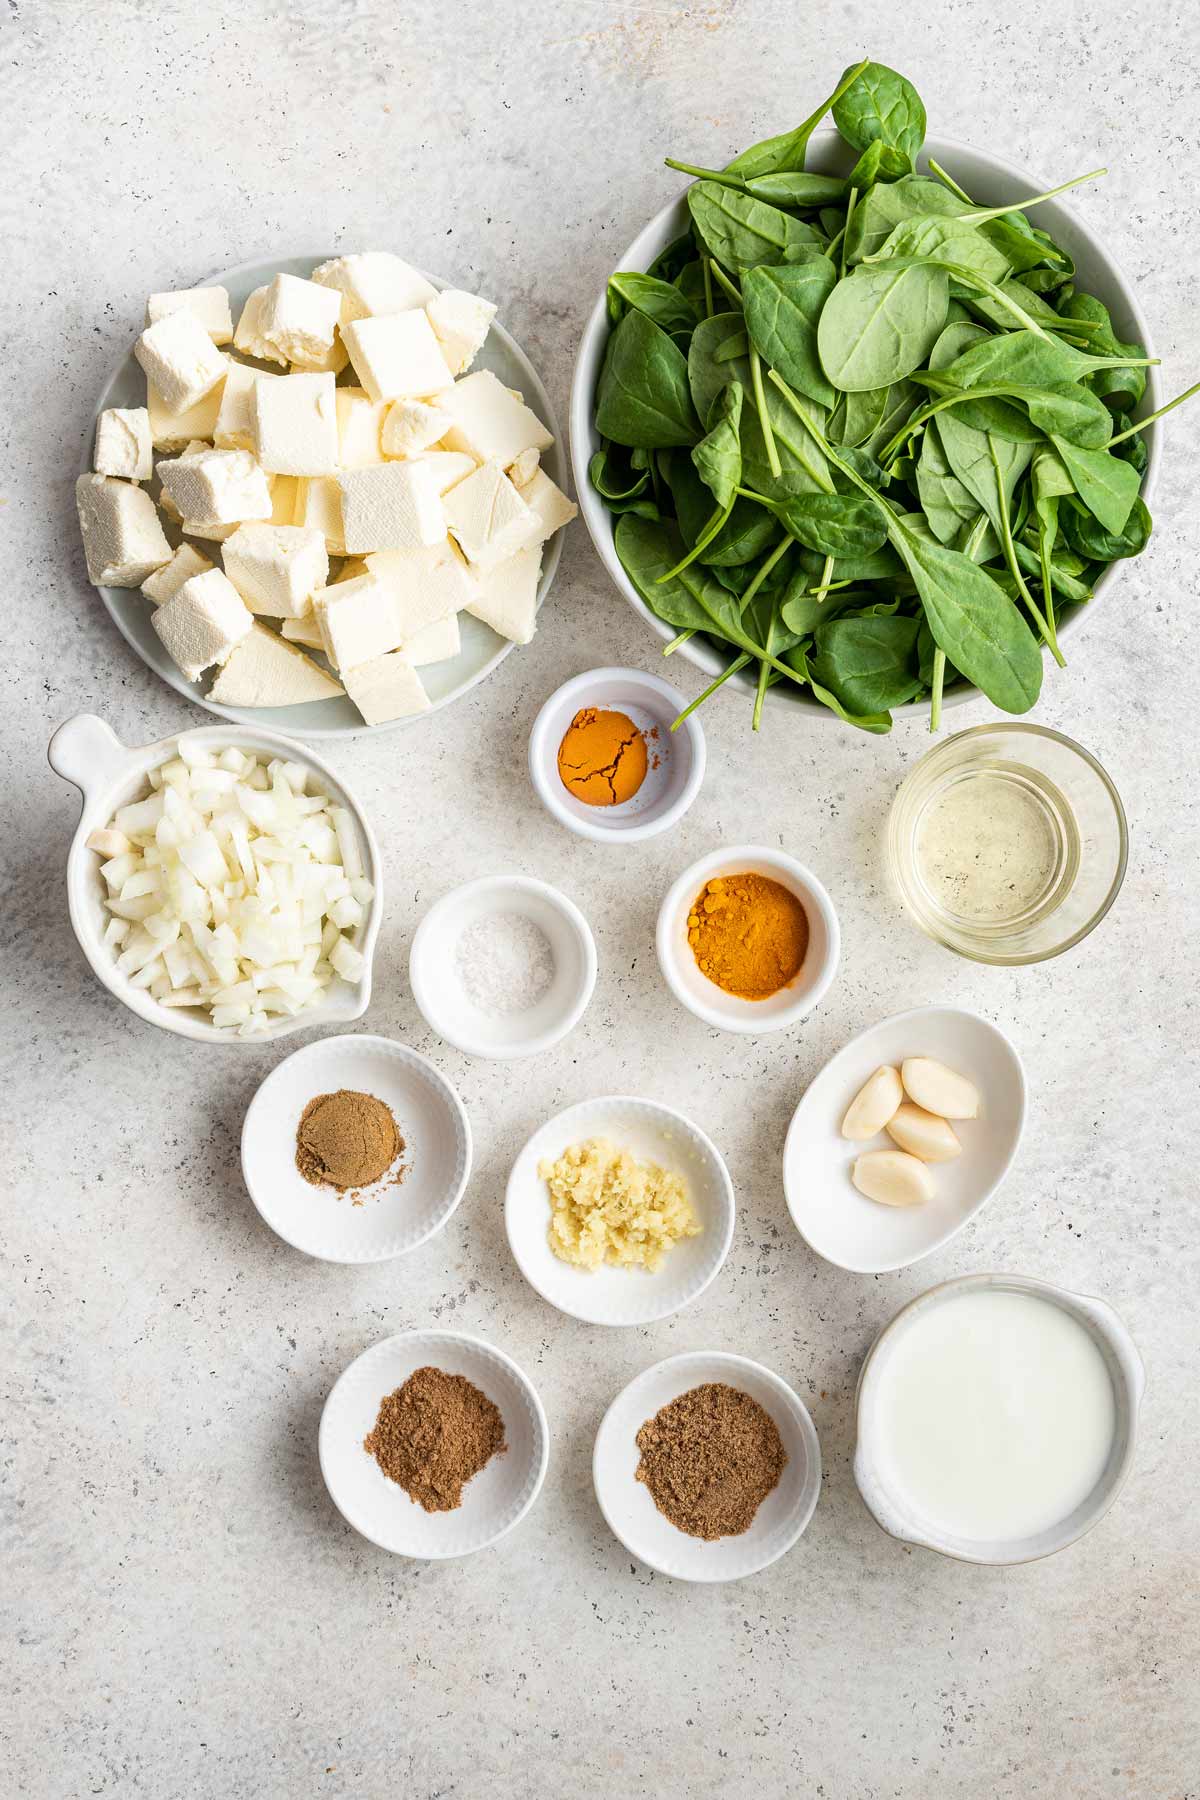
(702, 996)
(439, 993)
(626, 1502)
(991, 182)
(493, 1502)
(482, 648)
(390, 1218)
(86, 752)
(828, 1211)
(676, 758)
(613, 1296)
(1128, 1377)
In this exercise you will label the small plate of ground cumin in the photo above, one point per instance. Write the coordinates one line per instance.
(433, 1444)
(707, 1466)
(356, 1149)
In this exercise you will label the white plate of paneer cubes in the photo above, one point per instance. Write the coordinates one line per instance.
(323, 495)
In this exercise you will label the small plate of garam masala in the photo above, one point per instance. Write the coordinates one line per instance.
(356, 1149)
(433, 1444)
(707, 1467)
(619, 1211)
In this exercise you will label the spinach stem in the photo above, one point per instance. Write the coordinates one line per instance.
(1158, 413)
(935, 689)
(949, 181)
(764, 676)
(670, 649)
(764, 417)
(851, 203)
(822, 588)
(981, 214)
(764, 569)
(731, 288)
(739, 662)
(1045, 545)
(1010, 557)
(734, 181)
(706, 269)
(701, 544)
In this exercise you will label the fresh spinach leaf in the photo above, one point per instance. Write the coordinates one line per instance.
(782, 307)
(880, 104)
(643, 397)
(870, 663)
(742, 232)
(1107, 486)
(879, 324)
(659, 300)
(837, 525)
(789, 149)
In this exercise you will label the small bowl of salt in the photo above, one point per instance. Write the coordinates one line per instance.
(503, 967)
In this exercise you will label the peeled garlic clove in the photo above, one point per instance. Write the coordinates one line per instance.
(873, 1105)
(893, 1178)
(938, 1089)
(923, 1134)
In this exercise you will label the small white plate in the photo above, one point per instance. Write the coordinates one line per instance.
(841, 1224)
(392, 1219)
(627, 1504)
(609, 1295)
(676, 759)
(702, 996)
(482, 648)
(445, 1004)
(492, 1503)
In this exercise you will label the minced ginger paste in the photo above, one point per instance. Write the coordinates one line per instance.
(608, 1208)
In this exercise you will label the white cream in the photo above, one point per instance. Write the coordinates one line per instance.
(996, 1415)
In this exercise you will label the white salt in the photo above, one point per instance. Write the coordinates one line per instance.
(505, 963)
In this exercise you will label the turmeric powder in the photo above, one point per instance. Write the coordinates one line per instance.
(749, 934)
(602, 758)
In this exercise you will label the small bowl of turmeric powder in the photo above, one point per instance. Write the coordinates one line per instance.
(605, 762)
(748, 939)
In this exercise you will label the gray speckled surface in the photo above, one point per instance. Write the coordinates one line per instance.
(182, 1611)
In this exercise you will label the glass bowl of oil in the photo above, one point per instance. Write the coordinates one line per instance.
(1007, 843)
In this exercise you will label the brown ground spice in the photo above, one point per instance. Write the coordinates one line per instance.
(346, 1140)
(433, 1434)
(710, 1458)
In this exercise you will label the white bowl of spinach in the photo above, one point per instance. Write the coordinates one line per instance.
(863, 419)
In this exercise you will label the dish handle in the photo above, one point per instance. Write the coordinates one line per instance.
(87, 753)
(1117, 1332)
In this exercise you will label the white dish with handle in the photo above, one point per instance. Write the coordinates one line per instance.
(86, 752)
(482, 649)
(991, 182)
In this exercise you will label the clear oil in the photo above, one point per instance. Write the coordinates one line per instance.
(996, 847)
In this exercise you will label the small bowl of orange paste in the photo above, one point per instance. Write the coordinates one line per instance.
(604, 760)
(748, 939)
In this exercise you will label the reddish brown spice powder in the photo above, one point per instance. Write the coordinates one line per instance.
(710, 1458)
(433, 1435)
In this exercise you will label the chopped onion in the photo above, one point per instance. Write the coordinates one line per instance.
(230, 886)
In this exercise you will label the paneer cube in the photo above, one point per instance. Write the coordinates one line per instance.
(303, 631)
(545, 498)
(358, 620)
(395, 506)
(234, 426)
(386, 688)
(448, 467)
(489, 423)
(172, 431)
(507, 596)
(123, 444)
(263, 670)
(319, 504)
(285, 496)
(435, 643)
(298, 319)
(425, 585)
(166, 582)
(276, 568)
(374, 284)
(487, 517)
(122, 536)
(200, 625)
(180, 360)
(208, 304)
(360, 424)
(460, 323)
(216, 487)
(397, 357)
(523, 469)
(248, 338)
(410, 427)
(295, 425)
